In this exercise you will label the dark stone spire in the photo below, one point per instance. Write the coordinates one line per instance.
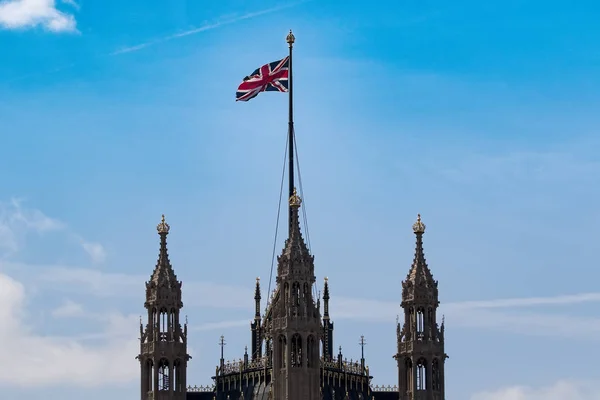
(419, 274)
(255, 326)
(327, 325)
(163, 343)
(420, 355)
(257, 299)
(326, 299)
(295, 250)
(296, 321)
(163, 274)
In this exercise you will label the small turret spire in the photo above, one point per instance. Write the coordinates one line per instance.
(326, 299)
(257, 299)
(163, 274)
(419, 272)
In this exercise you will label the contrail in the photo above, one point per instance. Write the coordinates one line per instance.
(204, 28)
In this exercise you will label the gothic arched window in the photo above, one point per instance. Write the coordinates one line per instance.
(408, 376)
(296, 353)
(422, 374)
(164, 375)
(420, 322)
(311, 351)
(282, 351)
(149, 383)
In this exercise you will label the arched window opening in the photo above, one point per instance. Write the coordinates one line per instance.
(177, 376)
(420, 322)
(311, 351)
(163, 321)
(282, 351)
(149, 384)
(296, 288)
(164, 375)
(408, 376)
(296, 353)
(436, 381)
(172, 320)
(421, 375)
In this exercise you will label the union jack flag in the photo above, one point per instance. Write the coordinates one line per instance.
(272, 77)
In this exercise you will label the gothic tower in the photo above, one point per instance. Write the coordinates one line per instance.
(420, 354)
(296, 326)
(163, 356)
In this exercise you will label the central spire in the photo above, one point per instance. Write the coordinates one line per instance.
(295, 247)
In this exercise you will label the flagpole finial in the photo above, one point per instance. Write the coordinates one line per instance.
(290, 38)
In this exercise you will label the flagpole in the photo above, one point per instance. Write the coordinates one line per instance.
(290, 39)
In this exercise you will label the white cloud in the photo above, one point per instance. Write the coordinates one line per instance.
(72, 3)
(472, 314)
(211, 326)
(95, 251)
(16, 222)
(93, 282)
(19, 14)
(104, 284)
(38, 360)
(482, 315)
(69, 309)
(566, 389)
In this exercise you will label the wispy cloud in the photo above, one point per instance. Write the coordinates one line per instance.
(207, 27)
(213, 326)
(17, 221)
(130, 49)
(564, 389)
(68, 309)
(514, 315)
(484, 315)
(23, 14)
(95, 250)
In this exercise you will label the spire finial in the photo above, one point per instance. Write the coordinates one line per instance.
(290, 38)
(163, 227)
(295, 200)
(418, 227)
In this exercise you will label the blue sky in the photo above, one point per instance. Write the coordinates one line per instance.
(481, 116)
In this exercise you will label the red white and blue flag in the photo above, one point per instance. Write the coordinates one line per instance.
(272, 77)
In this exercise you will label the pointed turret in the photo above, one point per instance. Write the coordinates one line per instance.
(420, 353)
(327, 325)
(163, 275)
(296, 319)
(257, 299)
(295, 249)
(255, 325)
(419, 274)
(163, 353)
